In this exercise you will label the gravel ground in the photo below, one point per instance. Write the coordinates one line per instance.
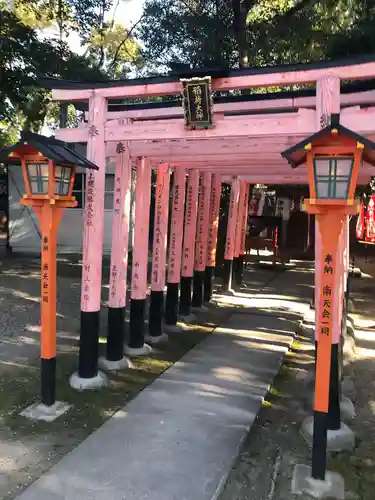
(264, 468)
(20, 313)
(27, 449)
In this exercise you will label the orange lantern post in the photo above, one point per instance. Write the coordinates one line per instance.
(48, 168)
(333, 157)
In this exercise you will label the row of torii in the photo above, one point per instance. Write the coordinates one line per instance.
(186, 262)
(242, 149)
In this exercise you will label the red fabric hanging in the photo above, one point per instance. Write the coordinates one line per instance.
(360, 227)
(370, 220)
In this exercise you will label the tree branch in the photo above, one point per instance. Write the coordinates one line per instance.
(192, 11)
(122, 43)
(240, 12)
(114, 14)
(101, 31)
(296, 8)
(248, 5)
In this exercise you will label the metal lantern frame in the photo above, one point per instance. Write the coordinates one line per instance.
(332, 180)
(334, 145)
(45, 179)
(48, 168)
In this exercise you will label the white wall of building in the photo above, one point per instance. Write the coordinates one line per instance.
(24, 232)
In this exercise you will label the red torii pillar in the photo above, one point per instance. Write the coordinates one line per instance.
(137, 346)
(114, 358)
(212, 235)
(202, 237)
(88, 377)
(242, 243)
(159, 256)
(237, 271)
(231, 234)
(191, 211)
(175, 248)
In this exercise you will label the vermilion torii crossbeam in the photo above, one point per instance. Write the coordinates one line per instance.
(188, 149)
(259, 77)
(357, 98)
(280, 179)
(193, 148)
(301, 123)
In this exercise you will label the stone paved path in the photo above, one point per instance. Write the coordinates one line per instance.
(178, 439)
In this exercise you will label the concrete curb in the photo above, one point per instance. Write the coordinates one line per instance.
(339, 440)
(224, 479)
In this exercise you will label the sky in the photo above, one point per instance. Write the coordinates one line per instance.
(127, 13)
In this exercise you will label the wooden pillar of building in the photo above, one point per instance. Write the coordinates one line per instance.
(136, 345)
(159, 256)
(175, 248)
(88, 376)
(114, 359)
(202, 238)
(213, 226)
(191, 210)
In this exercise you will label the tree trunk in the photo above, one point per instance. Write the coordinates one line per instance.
(240, 12)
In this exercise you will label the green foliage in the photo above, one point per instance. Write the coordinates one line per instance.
(24, 57)
(174, 34)
(89, 16)
(191, 32)
(28, 53)
(115, 51)
(242, 33)
(33, 13)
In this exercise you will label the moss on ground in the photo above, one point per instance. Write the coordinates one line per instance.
(90, 408)
(275, 436)
(45, 443)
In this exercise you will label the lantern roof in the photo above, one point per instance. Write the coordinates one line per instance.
(51, 148)
(296, 155)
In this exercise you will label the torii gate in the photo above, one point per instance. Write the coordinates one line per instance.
(245, 146)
